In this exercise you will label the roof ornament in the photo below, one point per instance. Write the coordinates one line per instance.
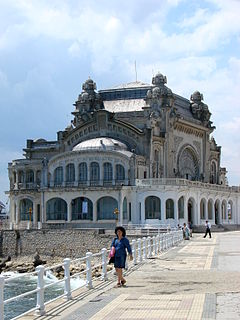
(199, 109)
(88, 101)
(159, 96)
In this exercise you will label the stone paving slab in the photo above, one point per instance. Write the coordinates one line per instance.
(192, 281)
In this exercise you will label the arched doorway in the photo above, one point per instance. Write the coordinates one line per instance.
(152, 208)
(82, 209)
(56, 209)
(26, 206)
(191, 210)
(217, 209)
(106, 207)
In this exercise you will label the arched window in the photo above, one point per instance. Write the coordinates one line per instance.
(25, 205)
(21, 176)
(169, 209)
(181, 208)
(70, 173)
(152, 208)
(188, 166)
(125, 214)
(82, 209)
(94, 173)
(213, 178)
(29, 176)
(120, 172)
(106, 207)
(202, 209)
(82, 172)
(56, 209)
(58, 176)
(107, 171)
(210, 209)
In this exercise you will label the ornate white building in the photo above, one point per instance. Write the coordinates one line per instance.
(137, 148)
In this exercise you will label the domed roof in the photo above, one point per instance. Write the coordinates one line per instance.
(102, 143)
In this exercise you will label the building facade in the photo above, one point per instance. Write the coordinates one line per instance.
(137, 152)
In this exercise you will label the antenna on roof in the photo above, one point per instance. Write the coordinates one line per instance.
(136, 70)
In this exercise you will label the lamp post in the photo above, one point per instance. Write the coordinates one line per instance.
(116, 212)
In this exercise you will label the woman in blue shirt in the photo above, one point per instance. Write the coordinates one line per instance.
(121, 243)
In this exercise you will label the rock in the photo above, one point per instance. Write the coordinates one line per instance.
(9, 264)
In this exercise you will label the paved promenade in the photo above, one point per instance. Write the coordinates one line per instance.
(199, 279)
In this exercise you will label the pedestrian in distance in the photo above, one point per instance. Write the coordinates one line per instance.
(186, 232)
(208, 229)
(190, 228)
(119, 246)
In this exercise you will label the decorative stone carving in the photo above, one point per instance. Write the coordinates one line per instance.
(160, 95)
(88, 102)
(199, 109)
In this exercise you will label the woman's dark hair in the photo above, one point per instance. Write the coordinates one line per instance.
(121, 229)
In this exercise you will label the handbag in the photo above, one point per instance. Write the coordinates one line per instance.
(111, 255)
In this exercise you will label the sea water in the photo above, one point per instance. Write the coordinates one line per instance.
(27, 283)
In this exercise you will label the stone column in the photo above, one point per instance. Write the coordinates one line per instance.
(35, 214)
(64, 174)
(88, 173)
(176, 210)
(69, 211)
(114, 173)
(101, 174)
(163, 211)
(185, 209)
(76, 173)
(17, 215)
(95, 211)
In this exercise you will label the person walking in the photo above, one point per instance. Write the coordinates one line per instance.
(186, 232)
(208, 229)
(120, 244)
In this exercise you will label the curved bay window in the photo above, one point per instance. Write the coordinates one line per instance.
(106, 207)
(94, 173)
(169, 209)
(181, 208)
(82, 209)
(120, 172)
(56, 209)
(107, 172)
(58, 176)
(82, 173)
(152, 208)
(25, 205)
(70, 173)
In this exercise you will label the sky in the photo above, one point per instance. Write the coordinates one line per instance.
(49, 48)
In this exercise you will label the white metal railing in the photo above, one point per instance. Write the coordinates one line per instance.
(185, 182)
(142, 249)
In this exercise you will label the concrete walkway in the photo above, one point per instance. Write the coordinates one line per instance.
(199, 279)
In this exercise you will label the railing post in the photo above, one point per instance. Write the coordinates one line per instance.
(139, 250)
(104, 264)
(149, 247)
(157, 243)
(40, 294)
(67, 285)
(144, 248)
(154, 245)
(89, 270)
(1, 297)
(134, 252)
